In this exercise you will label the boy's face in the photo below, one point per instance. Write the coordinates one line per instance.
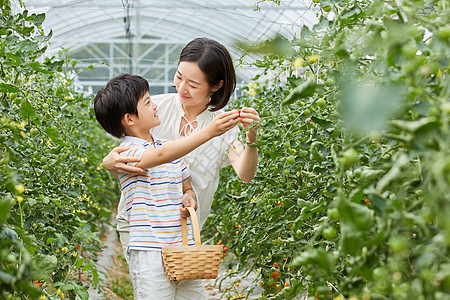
(147, 117)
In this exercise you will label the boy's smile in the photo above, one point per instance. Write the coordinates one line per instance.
(147, 117)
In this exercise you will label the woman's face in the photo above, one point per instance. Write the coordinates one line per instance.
(191, 85)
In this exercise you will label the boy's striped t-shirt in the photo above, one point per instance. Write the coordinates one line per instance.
(153, 200)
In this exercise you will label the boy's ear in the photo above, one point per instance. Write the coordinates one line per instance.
(128, 120)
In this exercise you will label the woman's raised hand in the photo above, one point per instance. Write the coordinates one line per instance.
(116, 164)
(248, 116)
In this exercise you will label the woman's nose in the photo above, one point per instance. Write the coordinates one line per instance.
(181, 87)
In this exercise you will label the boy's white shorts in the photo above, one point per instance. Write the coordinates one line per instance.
(150, 280)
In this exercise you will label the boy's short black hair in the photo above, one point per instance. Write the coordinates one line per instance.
(117, 98)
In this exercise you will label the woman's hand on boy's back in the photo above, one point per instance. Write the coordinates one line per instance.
(223, 122)
(116, 163)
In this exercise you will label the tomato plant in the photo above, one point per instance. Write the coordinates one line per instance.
(54, 195)
(353, 185)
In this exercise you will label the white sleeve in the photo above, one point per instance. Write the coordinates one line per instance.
(228, 138)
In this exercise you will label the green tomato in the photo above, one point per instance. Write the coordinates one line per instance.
(34, 131)
(333, 213)
(409, 50)
(380, 274)
(330, 82)
(409, 67)
(398, 244)
(287, 145)
(277, 241)
(327, 8)
(290, 159)
(444, 32)
(329, 233)
(350, 156)
(446, 107)
(36, 155)
(321, 103)
(302, 152)
(12, 96)
(375, 136)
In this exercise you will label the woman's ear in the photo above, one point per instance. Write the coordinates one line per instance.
(217, 87)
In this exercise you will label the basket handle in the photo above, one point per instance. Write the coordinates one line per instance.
(195, 227)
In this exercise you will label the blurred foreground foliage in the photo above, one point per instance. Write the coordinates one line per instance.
(54, 194)
(351, 197)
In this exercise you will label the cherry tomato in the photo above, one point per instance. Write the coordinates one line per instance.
(275, 274)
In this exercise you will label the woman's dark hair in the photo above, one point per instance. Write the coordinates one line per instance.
(215, 62)
(118, 97)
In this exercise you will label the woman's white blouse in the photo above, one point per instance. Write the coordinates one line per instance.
(204, 162)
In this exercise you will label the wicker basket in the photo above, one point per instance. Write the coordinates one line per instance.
(192, 262)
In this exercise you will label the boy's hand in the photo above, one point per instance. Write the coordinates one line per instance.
(116, 164)
(187, 200)
(223, 122)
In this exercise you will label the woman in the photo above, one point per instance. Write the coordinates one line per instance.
(205, 80)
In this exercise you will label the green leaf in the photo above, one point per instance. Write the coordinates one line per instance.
(315, 258)
(303, 90)
(279, 46)
(413, 126)
(105, 212)
(26, 109)
(61, 239)
(39, 19)
(39, 67)
(68, 287)
(4, 210)
(82, 293)
(322, 122)
(356, 215)
(27, 238)
(43, 266)
(54, 135)
(94, 274)
(86, 267)
(29, 289)
(79, 263)
(6, 278)
(8, 88)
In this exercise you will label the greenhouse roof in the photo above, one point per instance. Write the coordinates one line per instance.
(134, 28)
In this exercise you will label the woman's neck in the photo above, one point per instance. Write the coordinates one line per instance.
(191, 113)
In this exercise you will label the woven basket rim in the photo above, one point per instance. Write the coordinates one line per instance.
(195, 248)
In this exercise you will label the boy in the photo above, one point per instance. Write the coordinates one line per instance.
(155, 199)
